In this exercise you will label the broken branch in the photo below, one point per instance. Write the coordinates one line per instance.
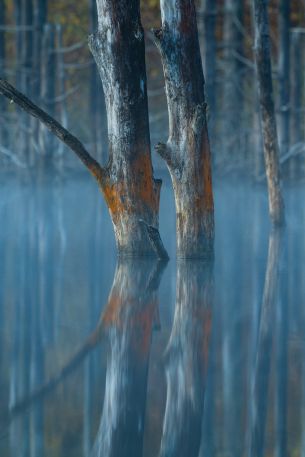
(55, 127)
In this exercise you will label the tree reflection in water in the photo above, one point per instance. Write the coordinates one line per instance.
(186, 360)
(128, 320)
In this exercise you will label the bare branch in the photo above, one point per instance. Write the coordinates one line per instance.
(55, 127)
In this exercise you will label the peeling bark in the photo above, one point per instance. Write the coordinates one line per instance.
(271, 147)
(187, 152)
(131, 192)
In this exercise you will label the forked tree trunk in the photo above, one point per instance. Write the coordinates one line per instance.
(187, 152)
(131, 192)
(271, 148)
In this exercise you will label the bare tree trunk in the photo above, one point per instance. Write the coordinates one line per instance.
(61, 88)
(3, 104)
(18, 22)
(128, 196)
(97, 99)
(271, 148)
(40, 13)
(187, 152)
(298, 78)
(131, 192)
(26, 74)
(187, 361)
(284, 73)
(233, 81)
(48, 87)
(210, 59)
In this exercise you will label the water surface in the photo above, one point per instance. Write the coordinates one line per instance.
(134, 358)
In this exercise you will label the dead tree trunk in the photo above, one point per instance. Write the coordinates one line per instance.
(187, 152)
(131, 192)
(271, 148)
(132, 201)
(40, 13)
(3, 104)
(297, 65)
(26, 73)
(210, 11)
(284, 73)
(48, 87)
(97, 100)
(233, 81)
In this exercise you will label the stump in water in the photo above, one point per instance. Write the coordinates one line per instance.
(187, 152)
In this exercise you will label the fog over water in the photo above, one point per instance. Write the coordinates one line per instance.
(187, 359)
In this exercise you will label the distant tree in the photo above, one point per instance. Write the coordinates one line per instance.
(187, 151)
(264, 76)
(3, 104)
(232, 100)
(284, 73)
(209, 8)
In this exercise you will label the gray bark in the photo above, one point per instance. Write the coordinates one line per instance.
(284, 73)
(187, 152)
(98, 117)
(269, 128)
(131, 192)
(130, 202)
(233, 80)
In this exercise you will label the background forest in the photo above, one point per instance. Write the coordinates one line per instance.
(230, 335)
(44, 51)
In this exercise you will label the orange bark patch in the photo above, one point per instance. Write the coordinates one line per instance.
(207, 173)
(134, 194)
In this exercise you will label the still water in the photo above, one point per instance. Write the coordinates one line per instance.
(136, 358)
